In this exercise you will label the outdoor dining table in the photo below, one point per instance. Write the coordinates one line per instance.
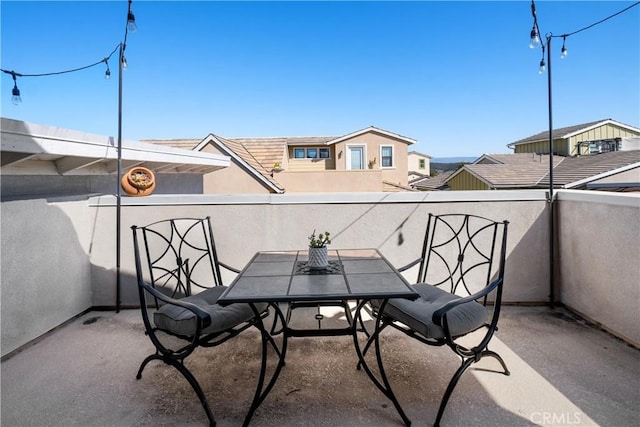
(359, 275)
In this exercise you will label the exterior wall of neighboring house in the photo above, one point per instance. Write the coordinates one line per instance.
(608, 131)
(331, 181)
(309, 164)
(542, 147)
(466, 181)
(569, 146)
(372, 144)
(231, 180)
(418, 163)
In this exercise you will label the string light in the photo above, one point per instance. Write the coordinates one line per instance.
(107, 74)
(15, 93)
(131, 21)
(543, 66)
(130, 27)
(535, 40)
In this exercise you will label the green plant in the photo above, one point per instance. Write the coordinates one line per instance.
(319, 241)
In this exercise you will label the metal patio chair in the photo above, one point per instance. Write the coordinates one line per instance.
(460, 281)
(179, 282)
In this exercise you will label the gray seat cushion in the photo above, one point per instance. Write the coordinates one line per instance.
(418, 314)
(181, 321)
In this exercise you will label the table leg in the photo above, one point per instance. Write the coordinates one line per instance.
(383, 386)
(262, 391)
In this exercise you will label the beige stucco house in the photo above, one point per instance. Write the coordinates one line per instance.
(419, 165)
(369, 159)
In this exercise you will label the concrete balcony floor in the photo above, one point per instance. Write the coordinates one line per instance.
(564, 372)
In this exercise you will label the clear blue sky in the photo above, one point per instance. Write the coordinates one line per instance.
(459, 77)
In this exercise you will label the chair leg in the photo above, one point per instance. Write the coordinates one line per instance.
(145, 362)
(452, 384)
(196, 387)
(454, 381)
(496, 356)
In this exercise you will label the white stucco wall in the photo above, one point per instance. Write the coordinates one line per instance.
(45, 267)
(599, 258)
(58, 257)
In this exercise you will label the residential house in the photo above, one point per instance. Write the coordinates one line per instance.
(369, 159)
(613, 171)
(587, 138)
(432, 183)
(418, 165)
(502, 171)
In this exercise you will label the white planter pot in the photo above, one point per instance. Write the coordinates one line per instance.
(318, 258)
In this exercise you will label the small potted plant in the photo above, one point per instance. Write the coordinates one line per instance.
(138, 181)
(318, 256)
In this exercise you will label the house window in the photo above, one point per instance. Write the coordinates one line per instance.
(421, 164)
(355, 157)
(311, 153)
(386, 156)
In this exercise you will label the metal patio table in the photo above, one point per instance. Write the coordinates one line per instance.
(357, 275)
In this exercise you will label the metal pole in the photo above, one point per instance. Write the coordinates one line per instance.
(551, 197)
(118, 191)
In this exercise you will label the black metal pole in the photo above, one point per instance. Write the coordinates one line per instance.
(551, 197)
(118, 191)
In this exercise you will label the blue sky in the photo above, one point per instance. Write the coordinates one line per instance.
(458, 77)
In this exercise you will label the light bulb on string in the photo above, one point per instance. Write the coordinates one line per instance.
(15, 95)
(124, 63)
(563, 52)
(542, 68)
(131, 22)
(535, 39)
(107, 74)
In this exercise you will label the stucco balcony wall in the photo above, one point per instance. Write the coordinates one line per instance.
(599, 258)
(59, 256)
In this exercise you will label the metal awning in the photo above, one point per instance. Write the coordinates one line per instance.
(26, 147)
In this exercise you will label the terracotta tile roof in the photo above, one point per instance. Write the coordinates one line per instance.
(575, 169)
(244, 150)
(512, 158)
(519, 174)
(266, 151)
(437, 182)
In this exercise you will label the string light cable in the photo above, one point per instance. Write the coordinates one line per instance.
(536, 40)
(130, 27)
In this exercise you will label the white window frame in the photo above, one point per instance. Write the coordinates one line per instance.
(364, 156)
(303, 151)
(422, 164)
(393, 162)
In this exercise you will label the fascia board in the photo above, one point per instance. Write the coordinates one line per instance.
(64, 142)
(371, 129)
(602, 175)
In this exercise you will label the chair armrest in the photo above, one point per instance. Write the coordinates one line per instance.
(408, 266)
(440, 313)
(202, 315)
(228, 267)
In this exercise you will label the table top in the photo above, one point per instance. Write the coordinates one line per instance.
(284, 277)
